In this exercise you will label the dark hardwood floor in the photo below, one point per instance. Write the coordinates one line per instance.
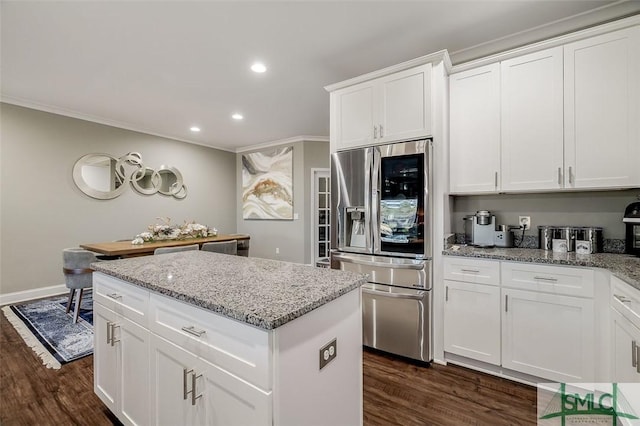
(395, 392)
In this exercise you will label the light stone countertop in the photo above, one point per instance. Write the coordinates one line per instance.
(624, 266)
(261, 292)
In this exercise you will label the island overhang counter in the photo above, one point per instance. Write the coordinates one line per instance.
(206, 338)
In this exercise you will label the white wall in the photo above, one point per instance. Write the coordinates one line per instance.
(42, 211)
(291, 237)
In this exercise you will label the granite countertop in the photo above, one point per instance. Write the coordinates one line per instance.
(261, 292)
(623, 266)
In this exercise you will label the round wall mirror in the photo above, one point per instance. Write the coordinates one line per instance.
(95, 175)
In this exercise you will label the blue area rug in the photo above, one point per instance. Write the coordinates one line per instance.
(50, 331)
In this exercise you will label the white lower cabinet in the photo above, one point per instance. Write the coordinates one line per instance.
(521, 317)
(626, 350)
(121, 365)
(472, 321)
(548, 335)
(186, 389)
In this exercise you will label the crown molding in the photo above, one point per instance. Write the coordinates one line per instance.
(287, 141)
(433, 58)
(481, 51)
(99, 120)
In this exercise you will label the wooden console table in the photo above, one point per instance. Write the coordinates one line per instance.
(123, 249)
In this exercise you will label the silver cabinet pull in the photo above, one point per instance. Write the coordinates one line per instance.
(634, 354)
(475, 271)
(113, 327)
(193, 388)
(506, 303)
(114, 295)
(622, 299)
(550, 279)
(637, 358)
(496, 180)
(381, 135)
(108, 332)
(185, 390)
(185, 387)
(559, 175)
(192, 330)
(570, 176)
(375, 132)
(446, 294)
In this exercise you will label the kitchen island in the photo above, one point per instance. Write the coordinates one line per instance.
(206, 338)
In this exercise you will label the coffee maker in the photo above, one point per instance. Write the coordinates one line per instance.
(480, 229)
(632, 221)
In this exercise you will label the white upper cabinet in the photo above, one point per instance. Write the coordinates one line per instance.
(474, 98)
(602, 110)
(532, 128)
(387, 109)
(567, 117)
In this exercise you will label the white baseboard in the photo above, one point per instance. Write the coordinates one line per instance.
(36, 293)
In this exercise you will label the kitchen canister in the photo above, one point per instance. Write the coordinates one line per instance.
(592, 234)
(559, 245)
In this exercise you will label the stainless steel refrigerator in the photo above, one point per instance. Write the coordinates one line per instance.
(382, 226)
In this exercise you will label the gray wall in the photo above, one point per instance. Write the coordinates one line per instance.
(292, 237)
(42, 211)
(604, 208)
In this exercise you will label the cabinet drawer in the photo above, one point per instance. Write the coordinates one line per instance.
(124, 298)
(548, 279)
(626, 300)
(241, 349)
(472, 270)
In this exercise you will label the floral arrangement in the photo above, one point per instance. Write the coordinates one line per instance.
(167, 231)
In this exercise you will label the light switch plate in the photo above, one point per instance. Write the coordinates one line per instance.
(328, 353)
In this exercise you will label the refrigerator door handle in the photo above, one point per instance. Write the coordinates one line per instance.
(347, 259)
(411, 296)
(367, 199)
(375, 200)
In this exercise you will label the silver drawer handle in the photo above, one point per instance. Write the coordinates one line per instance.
(634, 354)
(114, 295)
(475, 271)
(546, 279)
(192, 330)
(622, 299)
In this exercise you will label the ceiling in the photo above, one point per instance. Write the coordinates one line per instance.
(161, 67)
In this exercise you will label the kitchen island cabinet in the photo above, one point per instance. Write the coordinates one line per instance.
(227, 340)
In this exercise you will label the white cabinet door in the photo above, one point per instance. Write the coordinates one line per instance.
(548, 335)
(404, 107)
(134, 371)
(475, 130)
(532, 121)
(472, 321)
(105, 358)
(121, 366)
(187, 390)
(171, 385)
(230, 401)
(626, 350)
(602, 110)
(354, 116)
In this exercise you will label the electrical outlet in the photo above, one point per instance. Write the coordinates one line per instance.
(525, 221)
(277, 250)
(328, 353)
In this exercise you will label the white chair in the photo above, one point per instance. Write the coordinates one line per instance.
(76, 266)
(163, 250)
(224, 247)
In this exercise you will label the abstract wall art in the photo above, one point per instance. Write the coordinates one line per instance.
(267, 184)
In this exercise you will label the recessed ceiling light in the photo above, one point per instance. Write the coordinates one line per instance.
(195, 129)
(237, 116)
(258, 67)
